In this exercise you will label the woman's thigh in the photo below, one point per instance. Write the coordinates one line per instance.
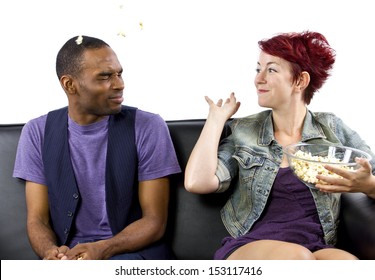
(271, 250)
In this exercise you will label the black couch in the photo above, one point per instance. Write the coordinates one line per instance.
(194, 229)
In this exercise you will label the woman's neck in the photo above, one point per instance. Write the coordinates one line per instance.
(288, 126)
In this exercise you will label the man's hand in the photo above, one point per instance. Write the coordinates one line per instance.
(56, 253)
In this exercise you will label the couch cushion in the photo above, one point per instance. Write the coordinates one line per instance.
(195, 227)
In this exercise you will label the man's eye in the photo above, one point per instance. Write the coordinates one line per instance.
(104, 77)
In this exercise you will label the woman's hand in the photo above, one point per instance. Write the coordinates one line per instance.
(223, 111)
(360, 180)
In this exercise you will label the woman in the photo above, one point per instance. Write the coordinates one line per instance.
(271, 214)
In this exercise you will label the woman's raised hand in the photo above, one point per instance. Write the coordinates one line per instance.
(223, 110)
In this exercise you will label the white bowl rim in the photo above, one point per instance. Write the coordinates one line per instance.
(285, 149)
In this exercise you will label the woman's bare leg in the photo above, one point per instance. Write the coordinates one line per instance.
(333, 254)
(271, 250)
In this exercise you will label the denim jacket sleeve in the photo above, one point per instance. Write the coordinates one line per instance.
(227, 167)
(334, 127)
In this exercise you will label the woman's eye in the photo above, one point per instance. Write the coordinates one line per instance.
(272, 70)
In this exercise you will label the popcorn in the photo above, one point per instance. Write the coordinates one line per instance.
(307, 171)
(121, 33)
(79, 40)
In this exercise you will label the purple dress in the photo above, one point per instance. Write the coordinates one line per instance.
(290, 215)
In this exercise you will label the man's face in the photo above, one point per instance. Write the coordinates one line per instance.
(98, 87)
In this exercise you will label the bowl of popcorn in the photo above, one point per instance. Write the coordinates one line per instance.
(308, 160)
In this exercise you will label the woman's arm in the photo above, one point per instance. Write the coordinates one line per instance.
(201, 167)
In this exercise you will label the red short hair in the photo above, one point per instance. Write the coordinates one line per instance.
(306, 51)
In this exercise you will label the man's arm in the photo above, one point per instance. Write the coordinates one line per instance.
(41, 236)
(154, 198)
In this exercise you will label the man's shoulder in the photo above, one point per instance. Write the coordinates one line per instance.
(39, 123)
(36, 124)
(142, 115)
(33, 131)
(148, 123)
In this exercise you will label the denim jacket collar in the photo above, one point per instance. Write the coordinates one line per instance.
(311, 129)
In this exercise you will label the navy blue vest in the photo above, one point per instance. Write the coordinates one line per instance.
(121, 173)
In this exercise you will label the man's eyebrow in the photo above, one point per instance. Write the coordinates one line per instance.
(105, 73)
(108, 73)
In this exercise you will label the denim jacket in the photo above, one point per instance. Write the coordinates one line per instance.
(251, 157)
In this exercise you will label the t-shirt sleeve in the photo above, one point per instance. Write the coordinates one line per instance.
(156, 153)
(28, 163)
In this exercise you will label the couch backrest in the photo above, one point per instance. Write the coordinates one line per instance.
(195, 229)
(14, 243)
(195, 226)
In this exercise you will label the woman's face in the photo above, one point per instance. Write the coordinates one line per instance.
(274, 82)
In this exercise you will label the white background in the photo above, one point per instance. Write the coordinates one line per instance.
(186, 49)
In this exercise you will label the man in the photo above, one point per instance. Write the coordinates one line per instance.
(96, 171)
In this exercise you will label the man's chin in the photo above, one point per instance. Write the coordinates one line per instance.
(116, 110)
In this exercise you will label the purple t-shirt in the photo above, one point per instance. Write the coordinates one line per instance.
(88, 148)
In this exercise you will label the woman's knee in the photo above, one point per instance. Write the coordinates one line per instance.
(272, 250)
(299, 252)
(334, 254)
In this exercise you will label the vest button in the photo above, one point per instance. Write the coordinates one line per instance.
(75, 195)
(70, 214)
(66, 231)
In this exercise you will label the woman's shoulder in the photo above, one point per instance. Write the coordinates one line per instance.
(256, 118)
(325, 117)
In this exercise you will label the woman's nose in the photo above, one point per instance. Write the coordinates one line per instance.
(259, 78)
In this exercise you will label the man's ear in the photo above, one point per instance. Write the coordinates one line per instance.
(67, 82)
(303, 81)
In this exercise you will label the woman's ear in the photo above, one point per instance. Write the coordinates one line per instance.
(303, 81)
